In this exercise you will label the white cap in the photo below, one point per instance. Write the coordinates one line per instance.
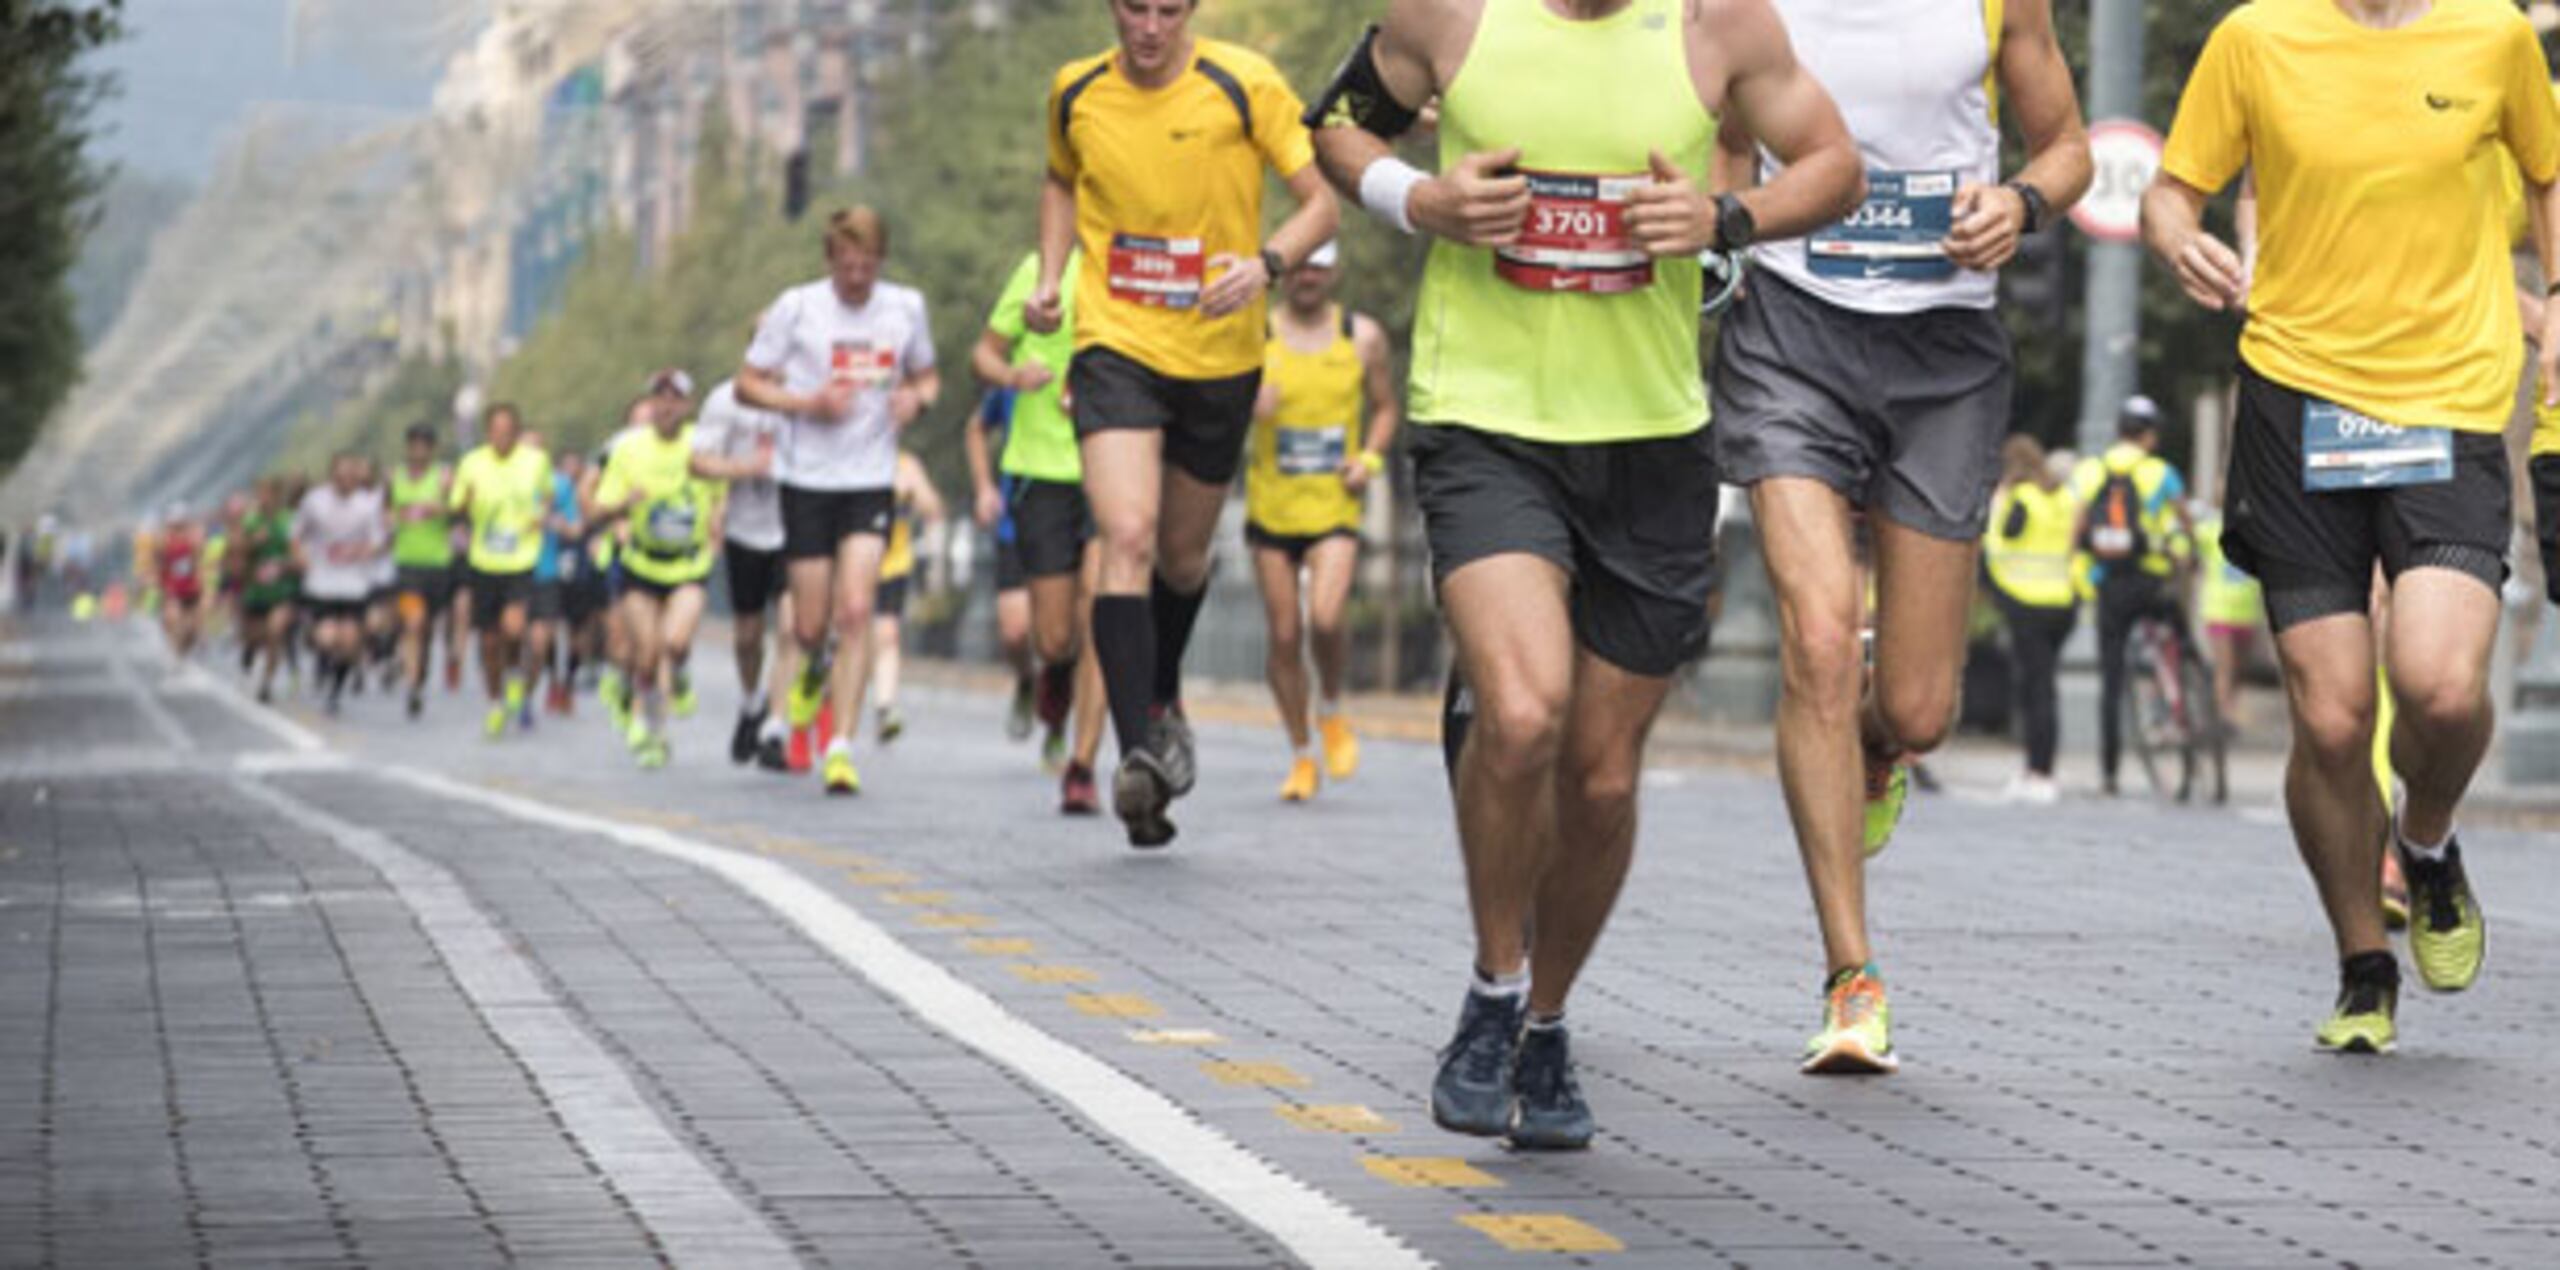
(1325, 257)
(671, 380)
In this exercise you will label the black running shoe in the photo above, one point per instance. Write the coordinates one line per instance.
(742, 742)
(1139, 794)
(1553, 1116)
(1472, 1093)
(773, 754)
(1177, 755)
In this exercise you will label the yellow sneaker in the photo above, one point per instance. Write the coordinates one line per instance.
(1857, 1028)
(495, 726)
(808, 692)
(1888, 788)
(841, 779)
(2364, 1022)
(1301, 784)
(2448, 936)
(1341, 747)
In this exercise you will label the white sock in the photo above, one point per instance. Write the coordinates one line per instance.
(2432, 854)
(1515, 984)
(774, 729)
(1546, 1022)
(839, 746)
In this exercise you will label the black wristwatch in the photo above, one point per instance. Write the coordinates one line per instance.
(1734, 227)
(1272, 264)
(2039, 210)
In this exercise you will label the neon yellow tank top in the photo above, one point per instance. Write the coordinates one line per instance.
(1572, 336)
(899, 559)
(1293, 473)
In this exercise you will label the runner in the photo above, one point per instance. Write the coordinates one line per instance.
(501, 490)
(338, 533)
(2379, 361)
(1863, 374)
(2135, 536)
(1314, 447)
(267, 585)
(422, 552)
(1156, 153)
(548, 611)
(614, 687)
(181, 570)
(739, 444)
(917, 500)
(987, 429)
(2027, 554)
(670, 530)
(559, 656)
(381, 607)
(1052, 522)
(1561, 456)
(850, 359)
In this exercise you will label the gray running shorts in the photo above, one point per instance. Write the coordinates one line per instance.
(1903, 414)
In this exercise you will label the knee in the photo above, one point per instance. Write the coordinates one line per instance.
(2336, 729)
(853, 616)
(1603, 781)
(1129, 542)
(1824, 666)
(1520, 733)
(2446, 699)
(1287, 643)
(1918, 717)
(1327, 627)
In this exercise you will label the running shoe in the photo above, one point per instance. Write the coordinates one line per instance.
(1177, 755)
(773, 753)
(1018, 719)
(1857, 1027)
(516, 703)
(802, 750)
(2448, 935)
(1053, 750)
(1888, 788)
(1553, 1115)
(742, 739)
(891, 724)
(1301, 784)
(1077, 794)
(1472, 1093)
(636, 734)
(1341, 747)
(495, 726)
(808, 695)
(684, 701)
(2365, 1021)
(841, 779)
(654, 753)
(615, 692)
(1139, 793)
(2395, 892)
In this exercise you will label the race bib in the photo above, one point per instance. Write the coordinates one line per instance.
(669, 526)
(1575, 237)
(183, 568)
(502, 541)
(860, 364)
(1311, 451)
(1160, 273)
(1899, 233)
(2344, 450)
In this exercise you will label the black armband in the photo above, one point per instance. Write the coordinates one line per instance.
(1358, 98)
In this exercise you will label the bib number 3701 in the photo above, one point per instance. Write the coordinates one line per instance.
(1575, 237)
(2345, 450)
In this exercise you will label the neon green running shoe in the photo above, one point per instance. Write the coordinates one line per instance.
(615, 693)
(1888, 788)
(495, 726)
(1857, 1027)
(636, 734)
(2368, 1004)
(808, 692)
(683, 701)
(653, 753)
(515, 696)
(2448, 935)
(839, 774)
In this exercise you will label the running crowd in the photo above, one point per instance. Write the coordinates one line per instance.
(1603, 170)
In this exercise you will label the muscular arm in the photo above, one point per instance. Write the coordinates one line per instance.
(1777, 102)
(1377, 373)
(2173, 227)
(2037, 82)
(1403, 55)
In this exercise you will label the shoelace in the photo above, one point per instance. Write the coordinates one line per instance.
(1545, 1075)
(1479, 1044)
(1854, 1002)
(2439, 881)
(2361, 997)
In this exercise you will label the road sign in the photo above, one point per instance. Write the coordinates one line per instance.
(2126, 153)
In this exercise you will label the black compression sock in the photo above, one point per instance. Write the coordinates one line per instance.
(1124, 638)
(1175, 615)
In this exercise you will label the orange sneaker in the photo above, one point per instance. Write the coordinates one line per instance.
(1301, 784)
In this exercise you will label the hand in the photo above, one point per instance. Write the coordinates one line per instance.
(1032, 377)
(1241, 281)
(1988, 221)
(834, 401)
(2211, 273)
(990, 507)
(1355, 475)
(1044, 312)
(1672, 216)
(1473, 203)
(905, 405)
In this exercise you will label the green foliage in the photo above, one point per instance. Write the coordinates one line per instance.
(47, 193)
(417, 390)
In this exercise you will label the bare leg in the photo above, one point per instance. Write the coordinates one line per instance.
(1330, 565)
(1284, 659)
(2329, 792)
(1804, 528)
(1091, 711)
(1924, 594)
(2444, 625)
(1606, 724)
(1515, 642)
(857, 587)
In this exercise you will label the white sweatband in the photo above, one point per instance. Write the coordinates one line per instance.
(1386, 189)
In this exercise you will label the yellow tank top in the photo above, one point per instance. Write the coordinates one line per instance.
(900, 559)
(1293, 474)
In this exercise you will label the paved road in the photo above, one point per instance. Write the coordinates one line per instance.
(370, 992)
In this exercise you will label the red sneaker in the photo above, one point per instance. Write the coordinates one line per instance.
(1077, 795)
(800, 748)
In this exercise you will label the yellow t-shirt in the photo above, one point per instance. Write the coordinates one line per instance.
(669, 539)
(507, 497)
(1165, 180)
(1293, 460)
(2382, 280)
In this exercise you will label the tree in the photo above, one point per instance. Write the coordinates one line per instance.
(47, 195)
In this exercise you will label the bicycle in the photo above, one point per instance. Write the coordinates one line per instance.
(2170, 708)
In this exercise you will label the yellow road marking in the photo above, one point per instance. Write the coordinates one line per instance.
(1114, 1005)
(1336, 1118)
(1267, 1075)
(1541, 1232)
(879, 877)
(918, 899)
(1000, 947)
(1052, 974)
(1175, 1036)
(954, 921)
(1428, 1170)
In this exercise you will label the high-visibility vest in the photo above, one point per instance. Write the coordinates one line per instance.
(2034, 567)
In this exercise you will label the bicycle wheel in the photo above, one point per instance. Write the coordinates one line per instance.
(2206, 737)
(2144, 708)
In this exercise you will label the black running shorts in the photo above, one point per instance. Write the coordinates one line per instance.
(755, 578)
(1051, 525)
(816, 522)
(1204, 421)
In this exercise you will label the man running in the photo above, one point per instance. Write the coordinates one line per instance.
(917, 501)
(2133, 533)
(1315, 445)
(668, 550)
(1561, 455)
(2379, 362)
(548, 613)
(265, 560)
(181, 570)
(1156, 155)
(502, 491)
(422, 552)
(337, 532)
(1052, 522)
(739, 444)
(1863, 373)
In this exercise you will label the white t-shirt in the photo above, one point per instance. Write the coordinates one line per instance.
(809, 337)
(731, 429)
(340, 535)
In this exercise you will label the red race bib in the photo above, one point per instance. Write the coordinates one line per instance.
(1160, 273)
(862, 366)
(1575, 237)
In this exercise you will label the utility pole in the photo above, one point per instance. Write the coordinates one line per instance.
(2112, 320)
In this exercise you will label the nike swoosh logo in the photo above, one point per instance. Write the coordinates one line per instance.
(2435, 102)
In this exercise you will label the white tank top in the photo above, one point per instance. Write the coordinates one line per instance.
(1912, 80)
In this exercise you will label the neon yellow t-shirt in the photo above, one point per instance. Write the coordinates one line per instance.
(506, 497)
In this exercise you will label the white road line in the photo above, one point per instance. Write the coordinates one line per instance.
(679, 1199)
(1315, 1226)
(199, 681)
(144, 699)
